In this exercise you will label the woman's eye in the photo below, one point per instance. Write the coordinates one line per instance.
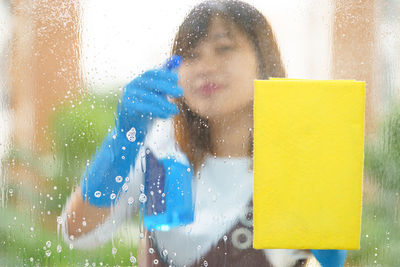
(224, 48)
(192, 55)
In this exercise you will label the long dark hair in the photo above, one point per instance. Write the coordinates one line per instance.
(191, 131)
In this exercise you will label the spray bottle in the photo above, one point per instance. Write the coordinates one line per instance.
(166, 197)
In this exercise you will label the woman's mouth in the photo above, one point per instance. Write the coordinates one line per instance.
(209, 88)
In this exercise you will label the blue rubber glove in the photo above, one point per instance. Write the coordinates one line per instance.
(329, 257)
(143, 99)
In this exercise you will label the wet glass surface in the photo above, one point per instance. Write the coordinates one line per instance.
(63, 69)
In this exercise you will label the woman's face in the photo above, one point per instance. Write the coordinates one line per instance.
(217, 78)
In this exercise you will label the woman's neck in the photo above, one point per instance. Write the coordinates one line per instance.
(230, 135)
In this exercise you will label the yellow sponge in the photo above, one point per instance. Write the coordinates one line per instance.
(308, 163)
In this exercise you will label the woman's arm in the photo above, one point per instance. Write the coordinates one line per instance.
(81, 217)
(87, 226)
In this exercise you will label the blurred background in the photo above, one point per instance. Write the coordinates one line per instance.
(62, 66)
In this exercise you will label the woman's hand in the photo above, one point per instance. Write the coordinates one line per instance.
(146, 97)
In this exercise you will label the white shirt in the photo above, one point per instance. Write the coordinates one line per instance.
(223, 188)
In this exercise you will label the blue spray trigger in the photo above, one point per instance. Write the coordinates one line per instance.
(173, 62)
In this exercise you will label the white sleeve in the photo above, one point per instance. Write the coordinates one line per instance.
(125, 207)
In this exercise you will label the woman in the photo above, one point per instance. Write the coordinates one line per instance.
(224, 46)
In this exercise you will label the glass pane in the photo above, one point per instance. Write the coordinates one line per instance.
(73, 92)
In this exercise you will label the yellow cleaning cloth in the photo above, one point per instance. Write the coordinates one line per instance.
(308, 163)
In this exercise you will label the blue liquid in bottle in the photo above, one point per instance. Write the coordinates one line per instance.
(168, 188)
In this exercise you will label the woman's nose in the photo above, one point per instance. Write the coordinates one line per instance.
(208, 63)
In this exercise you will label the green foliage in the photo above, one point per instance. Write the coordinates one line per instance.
(77, 129)
(380, 232)
(382, 159)
(24, 242)
(380, 236)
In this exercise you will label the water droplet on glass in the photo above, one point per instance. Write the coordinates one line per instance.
(188, 169)
(59, 248)
(155, 261)
(132, 259)
(205, 263)
(84, 223)
(143, 163)
(112, 196)
(48, 244)
(131, 200)
(114, 250)
(165, 253)
(142, 198)
(118, 179)
(141, 187)
(225, 238)
(48, 253)
(151, 250)
(131, 135)
(125, 187)
(31, 259)
(97, 194)
(59, 220)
